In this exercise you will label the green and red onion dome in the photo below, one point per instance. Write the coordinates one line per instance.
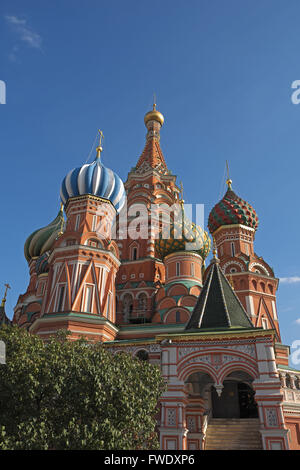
(232, 209)
(180, 235)
(42, 240)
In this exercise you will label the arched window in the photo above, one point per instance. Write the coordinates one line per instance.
(178, 268)
(142, 302)
(127, 304)
(288, 381)
(254, 283)
(142, 355)
(270, 288)
(262, 286)
(177, 316)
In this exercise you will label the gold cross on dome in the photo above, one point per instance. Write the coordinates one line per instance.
(100, 148)
(229, 181)
(101, 137)
(7, 286)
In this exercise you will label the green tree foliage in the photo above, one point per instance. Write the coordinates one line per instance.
(65, 394)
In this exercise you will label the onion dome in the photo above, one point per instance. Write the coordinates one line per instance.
(43, 239)
(154, 115)
(182, 233)
(232, 210)
(41, 265)
(95, 179)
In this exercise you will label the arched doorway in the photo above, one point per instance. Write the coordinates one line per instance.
(237, 398)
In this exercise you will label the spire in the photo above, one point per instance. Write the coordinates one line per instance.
(3, 318)
(217, 306)
(7, 286)
(152, 153)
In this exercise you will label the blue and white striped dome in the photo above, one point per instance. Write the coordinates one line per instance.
(94, 178)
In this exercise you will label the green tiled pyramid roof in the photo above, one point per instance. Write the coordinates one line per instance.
(217, 305)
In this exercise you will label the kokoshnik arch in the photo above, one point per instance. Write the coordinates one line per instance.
(213, 330)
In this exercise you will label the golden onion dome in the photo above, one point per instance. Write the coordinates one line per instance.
(154, 115)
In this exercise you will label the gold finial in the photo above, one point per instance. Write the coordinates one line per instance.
(62, 220)
(100, 148)
(7, 286)
(229, 181)
(214, 248)
(181, 194)
(154, 115)
(154, 101)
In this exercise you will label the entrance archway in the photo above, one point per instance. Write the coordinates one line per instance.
(237, 398)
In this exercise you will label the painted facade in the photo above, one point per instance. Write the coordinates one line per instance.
(214, 331)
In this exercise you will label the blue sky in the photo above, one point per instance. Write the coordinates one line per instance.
(222, 72)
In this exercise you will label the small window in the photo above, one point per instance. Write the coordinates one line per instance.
(94, 223)
(134, 253)
(232, 249)
(233, 270)
(108, 305)
(192, 269)
(178, 268)
(93, 243)
(88, 299)
(177, 316)
(77, 222)
(61, 294)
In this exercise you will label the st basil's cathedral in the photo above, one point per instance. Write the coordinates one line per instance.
(213, 330)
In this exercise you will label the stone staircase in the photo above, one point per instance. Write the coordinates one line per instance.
(233, 434)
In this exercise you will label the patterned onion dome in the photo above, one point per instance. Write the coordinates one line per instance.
(232, 210)
(41, 265)
(42, 239)
(180, 234)
(94, 178)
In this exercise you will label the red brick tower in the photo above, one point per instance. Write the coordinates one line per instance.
(141, 272)
(233, 223)
(80, 289)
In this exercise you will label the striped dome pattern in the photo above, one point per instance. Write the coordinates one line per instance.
(94, 178)
(42, 240)
(232, 210)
